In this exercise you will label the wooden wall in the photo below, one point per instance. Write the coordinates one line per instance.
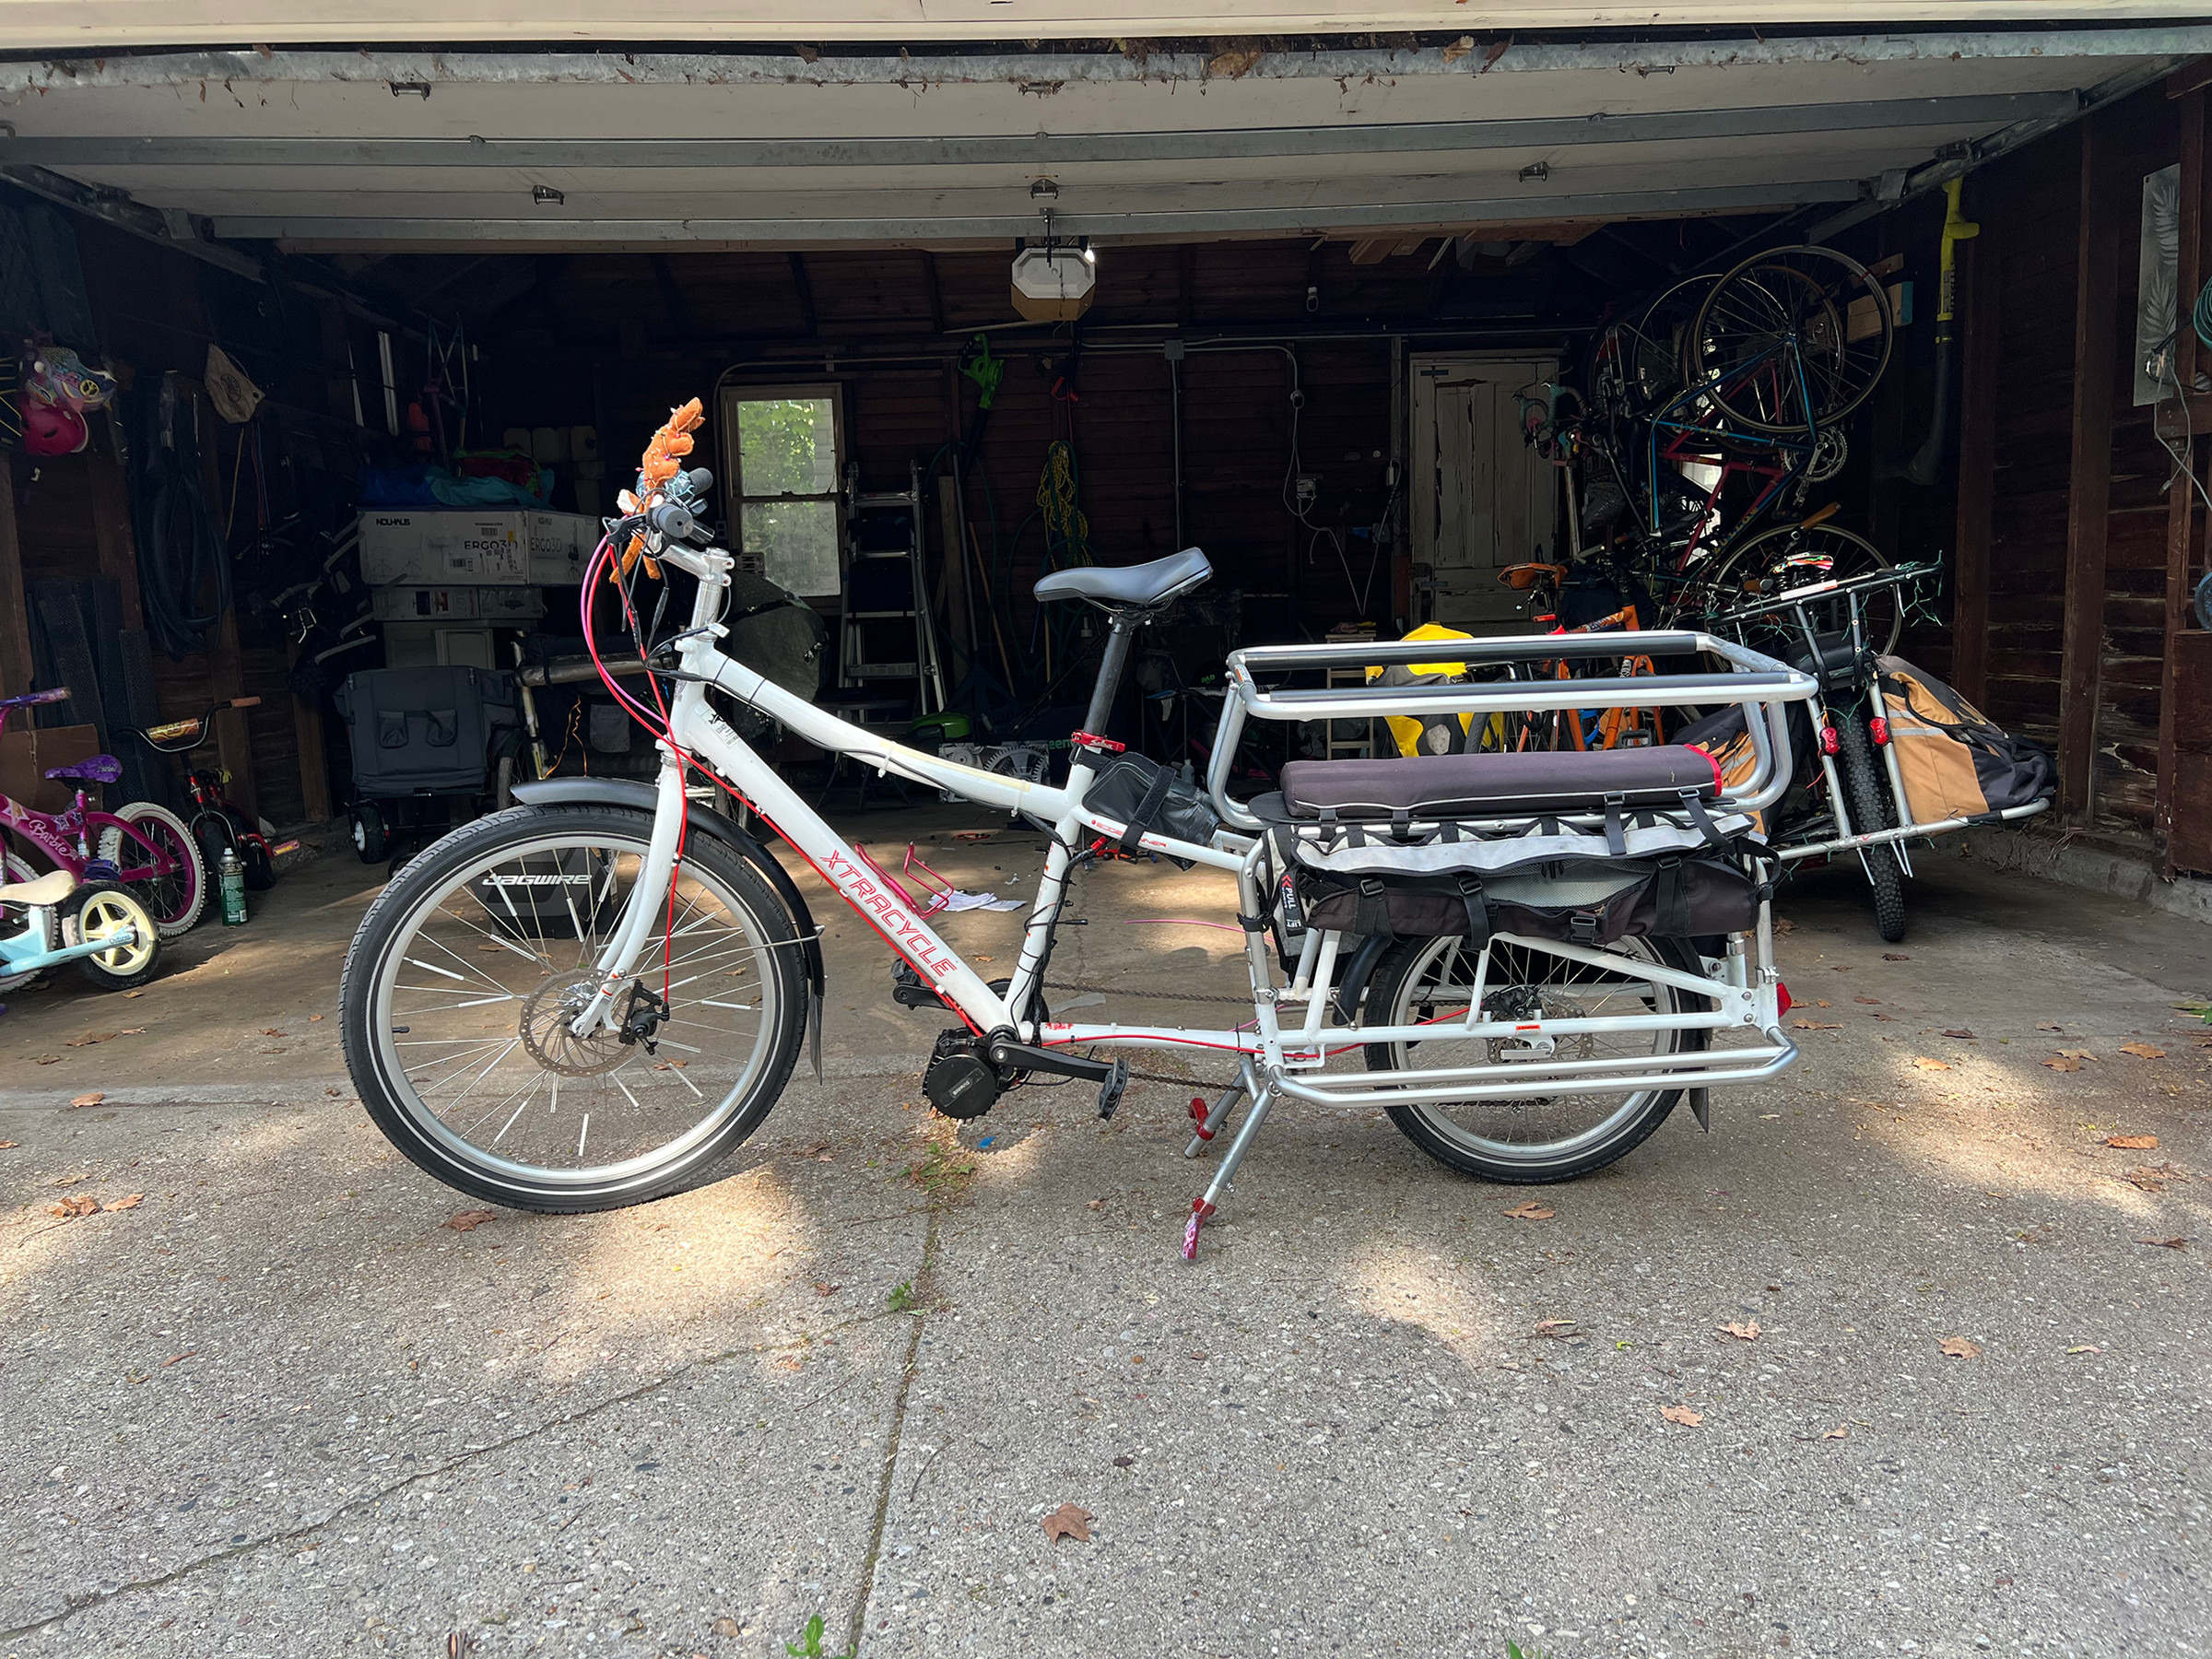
(2065, 617)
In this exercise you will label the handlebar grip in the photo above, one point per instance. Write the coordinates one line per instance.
(674, 522)
(245, 702)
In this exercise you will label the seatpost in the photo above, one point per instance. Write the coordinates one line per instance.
(1110, 673)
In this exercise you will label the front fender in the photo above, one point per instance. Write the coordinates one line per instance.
(645, 798)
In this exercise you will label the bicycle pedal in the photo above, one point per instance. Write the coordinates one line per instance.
(1110, 1090)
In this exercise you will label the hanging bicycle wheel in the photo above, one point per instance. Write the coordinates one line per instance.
(1796, 555)
(1791, 340)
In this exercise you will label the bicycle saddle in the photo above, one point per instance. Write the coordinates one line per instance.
(1129, 587)
(47, 890)
(100, 769)
(56, 694)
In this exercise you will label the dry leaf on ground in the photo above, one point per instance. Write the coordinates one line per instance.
(1875, 1000)
(2084, 1347)
(128, 1201)
(1530, 1211)
(93, 1098)
(9, 1146)
(1682, 1415)
(2152, 1178)
(2077, 1053)
(468, 1220)
(1822, 1001)
(2062, 1062)
(312, 1017)
(2143, 1050)
(1814, 1025)
(45, 1059)
(1925, 1064)
(822, 1289)
(2166, 1244)
(1962, 1034)
(176, 1359)
(89, 1038)
(131, 994)
(2048, 1025)
(1960, 1348)
(1740, 1331)
(1561, 1328)
(1895, 956)
(2132, 1143)
(726, 1626)
(69, 1209)
(1838, 1433)
(1068, 1522)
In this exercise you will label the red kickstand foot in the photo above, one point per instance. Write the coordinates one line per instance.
(1200, 1211)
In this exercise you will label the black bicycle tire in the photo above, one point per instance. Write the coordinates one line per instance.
(1820, 417)
(1383, 992)
(391, 909)
(1870, 810)
(1719, 582)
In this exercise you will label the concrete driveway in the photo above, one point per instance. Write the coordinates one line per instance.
(285, 1404)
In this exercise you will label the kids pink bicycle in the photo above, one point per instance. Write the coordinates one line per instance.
(145, 846)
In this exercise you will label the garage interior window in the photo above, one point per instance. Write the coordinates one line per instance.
(782, 454)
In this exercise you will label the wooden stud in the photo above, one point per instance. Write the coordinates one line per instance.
(804, 287)
(935, 291)
(116, 546)
(15, 604)
(2181, 495)
(1980, 355)
(2090, 487)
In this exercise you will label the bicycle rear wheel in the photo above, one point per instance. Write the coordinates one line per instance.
(463, 981)
(1541, 1138)
(1791, 340)
(1794, 555)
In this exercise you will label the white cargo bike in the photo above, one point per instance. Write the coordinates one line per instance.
(589, 999)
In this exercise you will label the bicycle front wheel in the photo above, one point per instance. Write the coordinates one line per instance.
(463, 981)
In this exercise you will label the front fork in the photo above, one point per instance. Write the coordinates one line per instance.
(638, 921)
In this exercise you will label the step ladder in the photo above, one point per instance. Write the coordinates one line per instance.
(885, 631)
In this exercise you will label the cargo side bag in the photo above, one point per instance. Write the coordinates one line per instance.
(1956, 761)
(1579, 902)
(1150, 799)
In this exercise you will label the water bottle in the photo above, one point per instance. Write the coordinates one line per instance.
(233, 878)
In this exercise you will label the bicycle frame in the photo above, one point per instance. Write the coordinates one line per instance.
(61, 836)
(1743, 991)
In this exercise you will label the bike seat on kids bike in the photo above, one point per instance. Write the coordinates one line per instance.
(41, 892)
(98, 769)
(1129, 587)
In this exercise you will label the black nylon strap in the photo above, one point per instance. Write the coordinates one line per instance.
(1703, 819)
(1617, 839)
(1147, 816)
(1371, 915)
(1478, 912)
(1673, 922)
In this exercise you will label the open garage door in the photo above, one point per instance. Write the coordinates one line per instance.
(326, 150)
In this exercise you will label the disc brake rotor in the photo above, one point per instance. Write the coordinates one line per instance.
(548, 1014)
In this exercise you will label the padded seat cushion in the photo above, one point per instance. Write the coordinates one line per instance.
(1458, 786)
(1136, 587)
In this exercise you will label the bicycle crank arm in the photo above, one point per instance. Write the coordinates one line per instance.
(1111, 1076)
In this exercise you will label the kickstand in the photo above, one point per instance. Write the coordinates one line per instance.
(1207, 1121)
(1202, 1209)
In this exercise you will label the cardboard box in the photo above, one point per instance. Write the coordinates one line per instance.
(501, 605)
(25, 757)
(429, 547)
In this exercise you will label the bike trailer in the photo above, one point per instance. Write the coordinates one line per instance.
(1953, 761)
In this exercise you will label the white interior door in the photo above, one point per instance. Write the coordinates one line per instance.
(1482, 498)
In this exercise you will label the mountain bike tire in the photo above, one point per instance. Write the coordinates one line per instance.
(1870, 810)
